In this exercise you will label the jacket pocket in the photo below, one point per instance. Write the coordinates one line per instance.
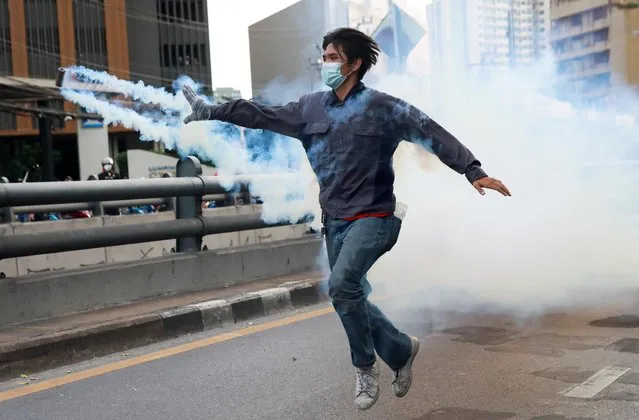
(373, 131)
(315, 128)
(366, 141)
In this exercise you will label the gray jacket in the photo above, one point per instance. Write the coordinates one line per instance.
(350, 144)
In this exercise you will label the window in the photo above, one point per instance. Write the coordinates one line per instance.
(171, 12)
(90, 34)
(43, 42)
(575, 20)
(203, 54)
(600, 13)
(181, 55)
(601, 35)
(6, 65)
(200, 10)
(187, 55)
(166, 55)
(163, 10)
(194, 15)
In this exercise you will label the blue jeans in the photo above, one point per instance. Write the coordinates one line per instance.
(353, 247)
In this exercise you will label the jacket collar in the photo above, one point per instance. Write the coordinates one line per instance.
(332, 99)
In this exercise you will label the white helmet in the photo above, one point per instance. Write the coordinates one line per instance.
(107, 161)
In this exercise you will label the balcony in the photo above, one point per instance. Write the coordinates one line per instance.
(586, 71)
(595, 92)
(563, 8)
(564, 32)
(600, 46)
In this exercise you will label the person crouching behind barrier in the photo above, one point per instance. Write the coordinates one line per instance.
(350, 134)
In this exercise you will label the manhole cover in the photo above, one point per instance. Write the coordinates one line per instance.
(621, 321)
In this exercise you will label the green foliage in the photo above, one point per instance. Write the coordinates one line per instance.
(123, 164)
(627, 5)
(28, 158)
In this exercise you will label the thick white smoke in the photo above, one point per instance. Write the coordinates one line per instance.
(568, 236)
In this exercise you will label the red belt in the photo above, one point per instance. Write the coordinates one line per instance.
(363, 215)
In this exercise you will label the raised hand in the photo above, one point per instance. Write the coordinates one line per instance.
(200, 110)
(491, 184)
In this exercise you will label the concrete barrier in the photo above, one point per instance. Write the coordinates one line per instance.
(16, 267)
(42, 296)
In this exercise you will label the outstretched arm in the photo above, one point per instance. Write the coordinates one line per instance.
(284, 120)
(419, 128)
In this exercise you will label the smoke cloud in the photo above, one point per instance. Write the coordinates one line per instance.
(569, 235)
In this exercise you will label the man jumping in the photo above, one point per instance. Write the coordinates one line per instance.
(350, 134)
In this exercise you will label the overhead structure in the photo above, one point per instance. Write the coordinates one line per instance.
(33, 97)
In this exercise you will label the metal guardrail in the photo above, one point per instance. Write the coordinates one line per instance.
(187, 190)
(97, 208)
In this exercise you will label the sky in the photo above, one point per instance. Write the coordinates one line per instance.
(228, 34)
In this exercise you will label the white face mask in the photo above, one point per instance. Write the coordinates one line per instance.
(107, 167)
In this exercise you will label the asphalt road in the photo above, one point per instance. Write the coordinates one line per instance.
(470, 367)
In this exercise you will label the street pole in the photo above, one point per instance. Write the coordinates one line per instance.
(394, 18)
(46, 142)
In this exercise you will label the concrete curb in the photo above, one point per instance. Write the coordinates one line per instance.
(67, 347)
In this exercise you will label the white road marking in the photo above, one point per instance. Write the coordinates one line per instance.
(596, 383)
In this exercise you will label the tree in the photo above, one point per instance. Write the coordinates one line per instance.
(28, 158)
(624, 4)
(123, 164)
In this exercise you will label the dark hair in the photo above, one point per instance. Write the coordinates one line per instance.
(354, 44)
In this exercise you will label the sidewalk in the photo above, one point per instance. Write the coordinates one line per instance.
(40, 345)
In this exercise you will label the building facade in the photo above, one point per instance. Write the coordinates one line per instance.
(225, 94)
(596, 45)
(474, 33)
(448, 38)
(285, 48)
(150, 40)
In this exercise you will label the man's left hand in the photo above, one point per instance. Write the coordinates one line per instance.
(491, 184)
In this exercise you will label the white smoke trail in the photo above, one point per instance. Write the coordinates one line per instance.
(289, 200)
(137, 91)
(112, 114)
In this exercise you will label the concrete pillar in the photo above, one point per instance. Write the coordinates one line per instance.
(93, 146)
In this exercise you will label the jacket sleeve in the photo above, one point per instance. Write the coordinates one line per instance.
(417, 127)
(284, 119)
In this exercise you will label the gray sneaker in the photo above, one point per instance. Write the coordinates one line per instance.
(404, 376)
(367, 386)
